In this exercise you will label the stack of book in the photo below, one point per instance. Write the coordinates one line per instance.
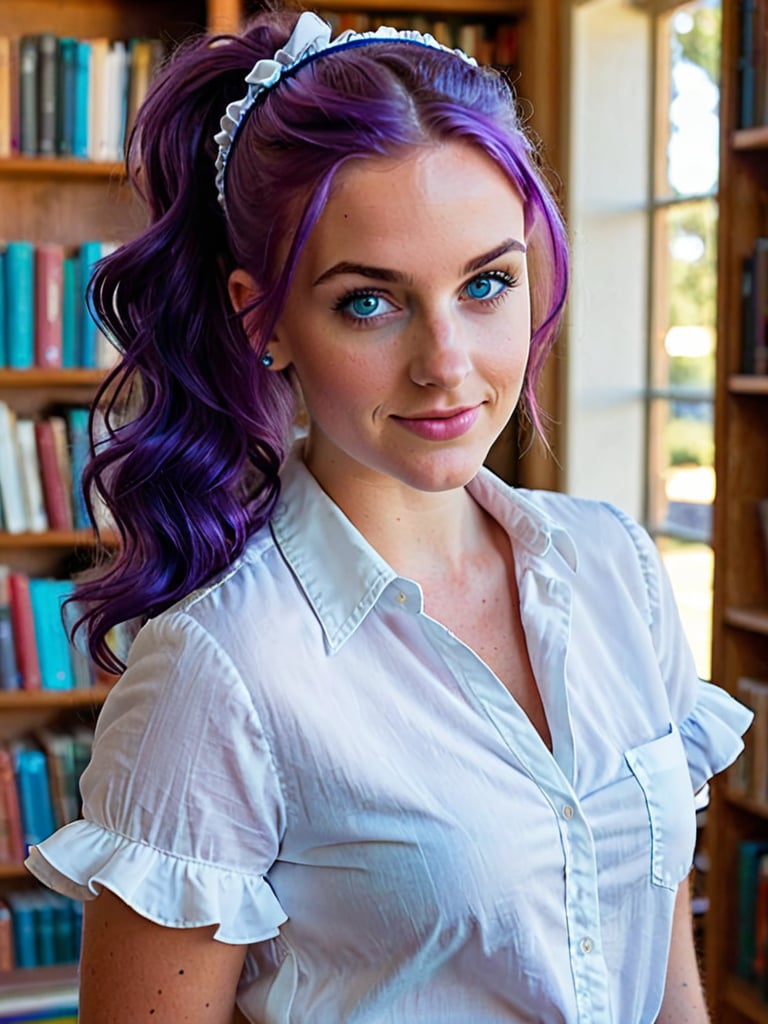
(35, 650)
(39, 779)
(39, 929)
(41, 467)
(44, 319)
(489, 42)
(65, 97)
(752, 924)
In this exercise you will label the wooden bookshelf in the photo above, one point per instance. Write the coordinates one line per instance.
(740, 623)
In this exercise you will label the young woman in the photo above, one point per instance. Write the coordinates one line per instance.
(395, 742)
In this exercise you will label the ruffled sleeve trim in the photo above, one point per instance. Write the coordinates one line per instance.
(82, 858)
(712, 733)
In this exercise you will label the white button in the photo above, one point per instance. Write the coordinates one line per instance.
(586, 945)
(568, 811)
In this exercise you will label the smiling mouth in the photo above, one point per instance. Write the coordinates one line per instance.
(442, 425)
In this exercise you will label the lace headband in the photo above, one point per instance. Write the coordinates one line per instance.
(311, 36)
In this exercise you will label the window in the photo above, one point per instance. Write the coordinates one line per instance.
(639, 367)
(680, 396)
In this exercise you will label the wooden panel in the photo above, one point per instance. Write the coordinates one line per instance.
(111, 18)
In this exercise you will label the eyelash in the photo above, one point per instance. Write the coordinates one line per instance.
(507, 279)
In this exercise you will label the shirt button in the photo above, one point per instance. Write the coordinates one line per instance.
(568, 811)
(586, 945)
(401, 597)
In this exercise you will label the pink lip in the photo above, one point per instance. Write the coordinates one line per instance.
(441, 426)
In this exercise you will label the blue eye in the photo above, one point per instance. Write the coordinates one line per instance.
(487, 286)
(360, 306)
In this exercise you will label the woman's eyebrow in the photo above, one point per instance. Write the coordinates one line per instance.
(397, 277)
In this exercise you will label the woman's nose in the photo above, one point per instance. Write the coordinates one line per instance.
(440, 353)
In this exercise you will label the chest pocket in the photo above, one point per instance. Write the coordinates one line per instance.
(661, 769)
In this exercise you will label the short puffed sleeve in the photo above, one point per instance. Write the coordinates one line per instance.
(182, 807)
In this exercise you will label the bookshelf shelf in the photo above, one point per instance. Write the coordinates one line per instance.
(34, 379)
(59, 167)
(754, 620)
(25, 700)
(53, 540)
(747, 384)
(744, 803)
(751, 138)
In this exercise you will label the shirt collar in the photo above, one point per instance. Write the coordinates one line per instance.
(342, 576)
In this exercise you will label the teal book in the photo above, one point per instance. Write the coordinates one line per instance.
(66, 70)
(749, 853)
(19, 267)
(89, 254)
(79, 441)
(71, 306)
(3, 340)
(47, 597)
(23, 919)
(31, 769)
(82, 83)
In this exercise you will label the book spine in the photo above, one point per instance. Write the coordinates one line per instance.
(11, 492)
(77, 421)
(10, 678)
(81, 143)
(65, 79)
(5, 97)
(57, 506)
(49, 285)
(53, 649)
(23, 623)
(28, 90)
(9, 801)
(71, 303)
(34, 795)
(90, 252)
(19, 264)
(47, 93)
(31, 482)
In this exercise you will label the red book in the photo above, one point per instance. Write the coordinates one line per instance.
(13, 845)
(49, 274)
(58, 506)
(23, 624)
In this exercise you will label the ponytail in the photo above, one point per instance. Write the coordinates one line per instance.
(189, 430)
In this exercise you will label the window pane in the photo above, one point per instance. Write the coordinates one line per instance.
(689, 100)
(685, 286)
(690, 569)
(683, 486)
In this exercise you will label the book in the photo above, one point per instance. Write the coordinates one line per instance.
(59, 750)
(81, 142)
(53, 648)
(97, 110)
(49, 284)
(10, 678)
(77, 422)
(19, 267)
(71, 303)
(11, 494)
(31, 480)
(748, 860)
(756, 342)
(5, 96)
(3, 313)
(28, 94)
(6, 938)
(88, 255)
(55, 487)
(23, 924)
(66, 72)
(47, 93)
(23, 623)
(37, 820)
(63, 458)
(12, 847)
(745, 65)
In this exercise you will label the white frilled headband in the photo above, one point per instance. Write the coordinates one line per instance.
(310, 37)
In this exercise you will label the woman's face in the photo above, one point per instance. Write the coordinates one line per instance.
(408, 320)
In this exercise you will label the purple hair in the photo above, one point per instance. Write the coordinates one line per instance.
(195, 428)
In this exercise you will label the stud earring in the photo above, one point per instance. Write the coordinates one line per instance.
(267, 359)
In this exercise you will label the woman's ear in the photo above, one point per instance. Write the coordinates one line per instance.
(242, 291)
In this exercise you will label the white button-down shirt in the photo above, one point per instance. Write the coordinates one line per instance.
(298, 753)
